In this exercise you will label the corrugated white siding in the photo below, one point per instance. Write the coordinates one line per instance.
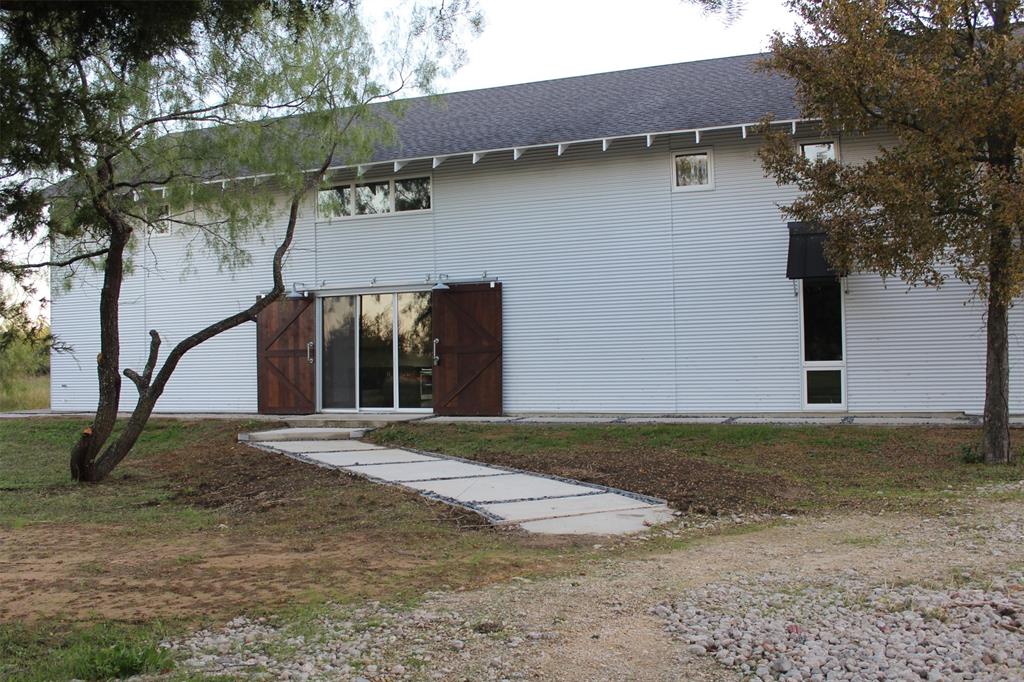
(582, 248)
(620, 295)
(176, 295)
(737, 320)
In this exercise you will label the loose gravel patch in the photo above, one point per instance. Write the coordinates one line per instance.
(770, 628)
(372, 642)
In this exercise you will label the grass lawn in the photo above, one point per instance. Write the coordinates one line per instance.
(194, 529)
(724, 468)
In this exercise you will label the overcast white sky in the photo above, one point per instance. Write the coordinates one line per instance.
(529, 40)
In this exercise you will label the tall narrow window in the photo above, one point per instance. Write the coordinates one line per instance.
(822, 314)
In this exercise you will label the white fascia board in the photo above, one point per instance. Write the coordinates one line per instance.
(562, 146)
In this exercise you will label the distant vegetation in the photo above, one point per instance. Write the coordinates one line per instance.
(25, 371)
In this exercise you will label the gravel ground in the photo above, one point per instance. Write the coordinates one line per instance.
(768, 627)
(842, 596)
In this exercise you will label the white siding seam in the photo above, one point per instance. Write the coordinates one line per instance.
(675, 278)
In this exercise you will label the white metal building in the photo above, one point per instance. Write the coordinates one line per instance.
(641, 257)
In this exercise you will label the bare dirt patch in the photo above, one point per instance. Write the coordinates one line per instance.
(727, 468)
(209, 528)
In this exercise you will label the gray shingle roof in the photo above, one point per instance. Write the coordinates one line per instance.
(689, 95)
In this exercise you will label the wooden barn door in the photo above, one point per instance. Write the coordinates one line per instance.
(285, 361)
(467, 339)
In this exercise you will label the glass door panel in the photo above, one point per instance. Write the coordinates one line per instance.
(415, 350)
(338, 359)
(376, 351)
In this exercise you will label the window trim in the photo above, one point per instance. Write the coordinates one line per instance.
(800, 144)
(351, 184)
(357, 293)
(693, 152)
(811, 365)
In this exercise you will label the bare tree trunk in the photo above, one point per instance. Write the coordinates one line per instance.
(92, 438)
(996, 427)
(996, 430)
(151, 388)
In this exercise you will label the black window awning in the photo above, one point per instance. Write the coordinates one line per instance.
(807, 253)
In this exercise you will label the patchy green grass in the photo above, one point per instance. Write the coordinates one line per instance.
(722, 468)
(99, 651)
(37, 486)
(25, 392)
(194, 529)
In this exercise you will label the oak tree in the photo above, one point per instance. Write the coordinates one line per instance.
(945, 198)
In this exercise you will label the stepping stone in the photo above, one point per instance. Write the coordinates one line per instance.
(355, 458)
(304, 446)
(563, 506)
(423, 471)
(602, 523)
(303, 434)
(502, 488)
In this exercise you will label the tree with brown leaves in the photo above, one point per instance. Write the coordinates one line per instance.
(946, 199)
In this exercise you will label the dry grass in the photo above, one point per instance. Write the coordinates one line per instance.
(25, 393)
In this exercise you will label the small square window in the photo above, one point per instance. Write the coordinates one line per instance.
(693, 170)
(824, 387)
(373, 197)
(335, 202)
(819, 151)
(412, 194)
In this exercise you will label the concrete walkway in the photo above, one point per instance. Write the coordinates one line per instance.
(534, 502)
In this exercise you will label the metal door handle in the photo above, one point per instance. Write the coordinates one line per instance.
(437, 358)
(309, 352)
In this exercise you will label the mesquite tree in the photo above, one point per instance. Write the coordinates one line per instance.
(946, 198)
(203, 132)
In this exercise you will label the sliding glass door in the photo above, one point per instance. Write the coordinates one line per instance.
(377, 351)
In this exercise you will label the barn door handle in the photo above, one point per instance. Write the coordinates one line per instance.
(309, 352)
(437, 358)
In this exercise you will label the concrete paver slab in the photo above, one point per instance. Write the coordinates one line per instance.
(562, 506)
(502, 488)
(354, 458)
(304, 433)
(423, 471)
(537, 503)
(602, 523)
(304, 446)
